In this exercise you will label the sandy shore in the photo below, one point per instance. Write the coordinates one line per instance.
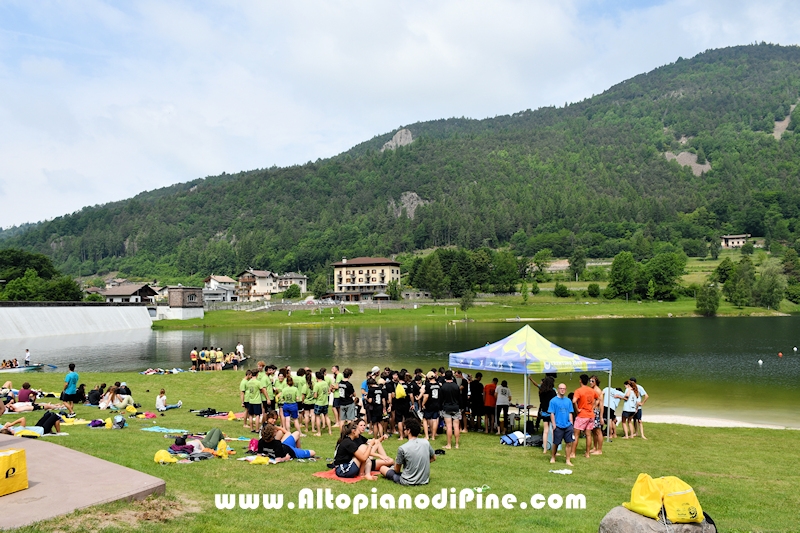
(698, 421)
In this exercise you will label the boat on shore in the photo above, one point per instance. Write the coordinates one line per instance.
(18, 369)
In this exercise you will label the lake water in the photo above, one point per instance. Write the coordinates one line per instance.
(691, 366)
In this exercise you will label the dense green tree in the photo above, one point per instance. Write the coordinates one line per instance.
(541, 261)
(467, 301)
(525, 292)
(770, 287)
(708, 299)
(434, 277)
(724, 270)
(747, 248)
(293, 291)
(15, 263)
(393, 290)
(320, 286)
(665, 270)
(577, 262)
(622, 278)
(561, 290)
(505, 273)
(593, 290)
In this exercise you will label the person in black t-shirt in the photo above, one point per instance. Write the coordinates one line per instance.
(476, 401)
(430, 404)
(353, 455)
(451, 410)
(376, 406)
(347, 397)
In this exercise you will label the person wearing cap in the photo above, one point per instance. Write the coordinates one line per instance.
(637, 418)
(123, 389)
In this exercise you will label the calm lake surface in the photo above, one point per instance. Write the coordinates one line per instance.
(689, 366)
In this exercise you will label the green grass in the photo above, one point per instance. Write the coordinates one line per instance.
(738, 474)
(544, 306)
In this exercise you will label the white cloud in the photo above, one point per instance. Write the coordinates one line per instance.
(102, 100)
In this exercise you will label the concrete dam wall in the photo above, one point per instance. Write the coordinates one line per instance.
(22, 320)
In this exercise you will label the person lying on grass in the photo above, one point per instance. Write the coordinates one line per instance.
(284, 449)
(26, 407)
(48, 422)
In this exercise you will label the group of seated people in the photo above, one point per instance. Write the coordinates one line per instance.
(11, 363)
(117, 396)
(23, 400)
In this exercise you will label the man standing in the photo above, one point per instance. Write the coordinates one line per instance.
(586, 400)
(476, 401)
(561, 419)
(70, 390)
(637, 418)
(489, 405)
(431, 406)
(414, 458)
(451, 411)
(347, 397)
(27, 357)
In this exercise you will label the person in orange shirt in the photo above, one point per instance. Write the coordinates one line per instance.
(586, 400)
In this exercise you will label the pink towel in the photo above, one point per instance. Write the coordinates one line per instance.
(331, 474)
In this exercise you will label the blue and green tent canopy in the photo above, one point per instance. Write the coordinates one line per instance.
(526, 352)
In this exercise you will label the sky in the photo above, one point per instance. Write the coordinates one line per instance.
(102, 100)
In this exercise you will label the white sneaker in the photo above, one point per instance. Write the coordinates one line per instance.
(180, 403)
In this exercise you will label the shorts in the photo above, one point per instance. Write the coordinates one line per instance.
(627, 415)
(375, 414)
(307, 407)
(402, 414)
(455, 415)
(337, 402)
(566, 434)
(607, 416)
(290, 410)
(321, 410)
(430, 415)
(476, 410)
(347, 470)
(47, 421)
(584, 424)
(348, 412)
(392, 475)
(254, 409)
(597, 422)
(638, 415)
(69, 398)
(298, 452)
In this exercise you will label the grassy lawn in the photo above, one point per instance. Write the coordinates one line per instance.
(543, 306)
(738, 474)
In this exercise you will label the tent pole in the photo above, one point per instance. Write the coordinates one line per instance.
(608, 402)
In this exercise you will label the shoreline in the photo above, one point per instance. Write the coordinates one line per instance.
(709, 422)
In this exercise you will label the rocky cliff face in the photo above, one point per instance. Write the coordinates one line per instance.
(401, 138)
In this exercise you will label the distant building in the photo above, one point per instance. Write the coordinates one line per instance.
(262, 284)
(130, 293)
(363, 277)
(219, 289)
(183, 303)
(115, 282)
(734, 241)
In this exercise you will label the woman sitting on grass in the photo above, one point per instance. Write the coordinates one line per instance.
(161, 402)
(353, 456)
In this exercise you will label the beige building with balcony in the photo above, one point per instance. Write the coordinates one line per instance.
(363, 278)
(262, 284)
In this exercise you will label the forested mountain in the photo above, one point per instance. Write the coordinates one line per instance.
(592, 175)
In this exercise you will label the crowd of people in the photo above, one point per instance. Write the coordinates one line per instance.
(210, 358)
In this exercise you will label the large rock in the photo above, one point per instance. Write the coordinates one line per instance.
(401, 138)
(621, 520)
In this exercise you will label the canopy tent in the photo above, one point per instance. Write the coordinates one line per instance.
(527, 352)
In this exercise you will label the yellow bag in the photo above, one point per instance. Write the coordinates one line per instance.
(13, 471)
(222, 449)
(131, 409)
(231, 415)
(645, 497)
(400, 391)
(108, 423)
(260, 460)
(680, 501)
(27, 433)
(163, 456)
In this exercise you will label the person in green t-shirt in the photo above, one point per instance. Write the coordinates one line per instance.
(304, 400)
(321, 390)
(252, 397)
(289, 396)
(244, 404)
(335, 380)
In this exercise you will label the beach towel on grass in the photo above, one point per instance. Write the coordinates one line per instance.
(224, 416)
(331, 474)
(159, 429)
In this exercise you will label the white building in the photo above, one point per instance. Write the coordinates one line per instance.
(262, 284)
(219, 289)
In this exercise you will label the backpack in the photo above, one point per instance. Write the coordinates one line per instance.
(679, 502)
(118, 422)
(400, 391)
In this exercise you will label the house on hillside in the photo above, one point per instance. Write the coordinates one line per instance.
(362, 278)
(219, 289)
(262, 284)
(130, 293)
(734, 241)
